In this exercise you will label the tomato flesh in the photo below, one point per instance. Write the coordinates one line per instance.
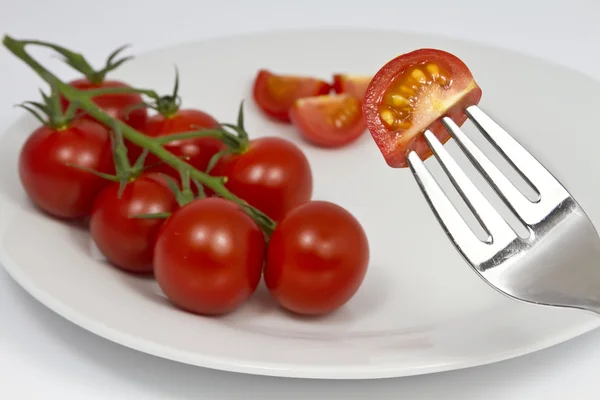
(330, 120)
(411, 94)
(355, 85)
(275, 94)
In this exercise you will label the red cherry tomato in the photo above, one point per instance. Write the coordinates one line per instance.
(272, 175)
(126, 241)
(355, 85)
(47, 177)
(119, 106)
(196, 152)
(317, 258)
(329, 121)
(410, 94)
(209, 256)
(275, 94)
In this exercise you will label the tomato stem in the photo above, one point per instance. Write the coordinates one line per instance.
(153, 146)
(80, 64)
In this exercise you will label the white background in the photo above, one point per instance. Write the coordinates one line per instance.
(44, 357)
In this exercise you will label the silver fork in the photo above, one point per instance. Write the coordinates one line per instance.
(558, 264)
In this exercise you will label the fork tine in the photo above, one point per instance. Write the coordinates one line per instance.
(550, 191)
(473, 249)
(488, 217)
(504, 187)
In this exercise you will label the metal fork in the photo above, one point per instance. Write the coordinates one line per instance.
(558, 264)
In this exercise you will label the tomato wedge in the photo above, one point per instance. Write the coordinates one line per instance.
(356, 85)
(329, 120)
(276, 94)
(410, 94)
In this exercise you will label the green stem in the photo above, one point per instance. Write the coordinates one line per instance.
(120, 90)
(229, 139)
(85, 103)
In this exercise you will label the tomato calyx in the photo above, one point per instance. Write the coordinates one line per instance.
(78, 62)
(49, 111)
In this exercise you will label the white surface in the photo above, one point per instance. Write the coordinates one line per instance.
(42, 356)
(417, 311)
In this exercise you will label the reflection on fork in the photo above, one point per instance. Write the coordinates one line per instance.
(557, 264)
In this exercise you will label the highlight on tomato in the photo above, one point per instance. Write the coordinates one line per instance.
(410, 94)
(56, 159)
(209, 256)
(275, 94)
(317, 258)
(330, 120)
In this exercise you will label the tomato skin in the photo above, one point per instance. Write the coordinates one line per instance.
(273, 175)
(196, 152)
(128, 242)
(118, 106)
(275, 94)
(50, 182)
(395, 145)
(317, 259)
(313, 115)
(208, 257)
(355, 85)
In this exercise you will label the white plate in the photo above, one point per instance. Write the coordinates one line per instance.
(420, 309)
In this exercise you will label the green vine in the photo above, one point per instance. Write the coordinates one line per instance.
(83, 100)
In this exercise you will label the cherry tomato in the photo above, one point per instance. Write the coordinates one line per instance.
(317, 258)
(119, 106)
(275, 94)
(355, 85)
(48, 178)
(209, 256)
(329, 121)
(410, 94)
(273, 175)
(196, 152)
(126, 241)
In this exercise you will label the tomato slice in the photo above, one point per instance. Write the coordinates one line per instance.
(276, 94)
(329, 120)
(356, 85)
(410, 94)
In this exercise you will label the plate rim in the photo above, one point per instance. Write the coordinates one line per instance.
(379, 371)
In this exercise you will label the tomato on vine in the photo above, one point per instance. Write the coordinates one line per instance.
(270, 173)
(317, 258)
(170, 120)
(122, 106)
(55, 160)
(209, 256)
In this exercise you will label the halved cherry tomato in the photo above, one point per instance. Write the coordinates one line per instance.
(356, 85)
(410, 94)
(329, 120)
(276, 94)
(120, 106)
